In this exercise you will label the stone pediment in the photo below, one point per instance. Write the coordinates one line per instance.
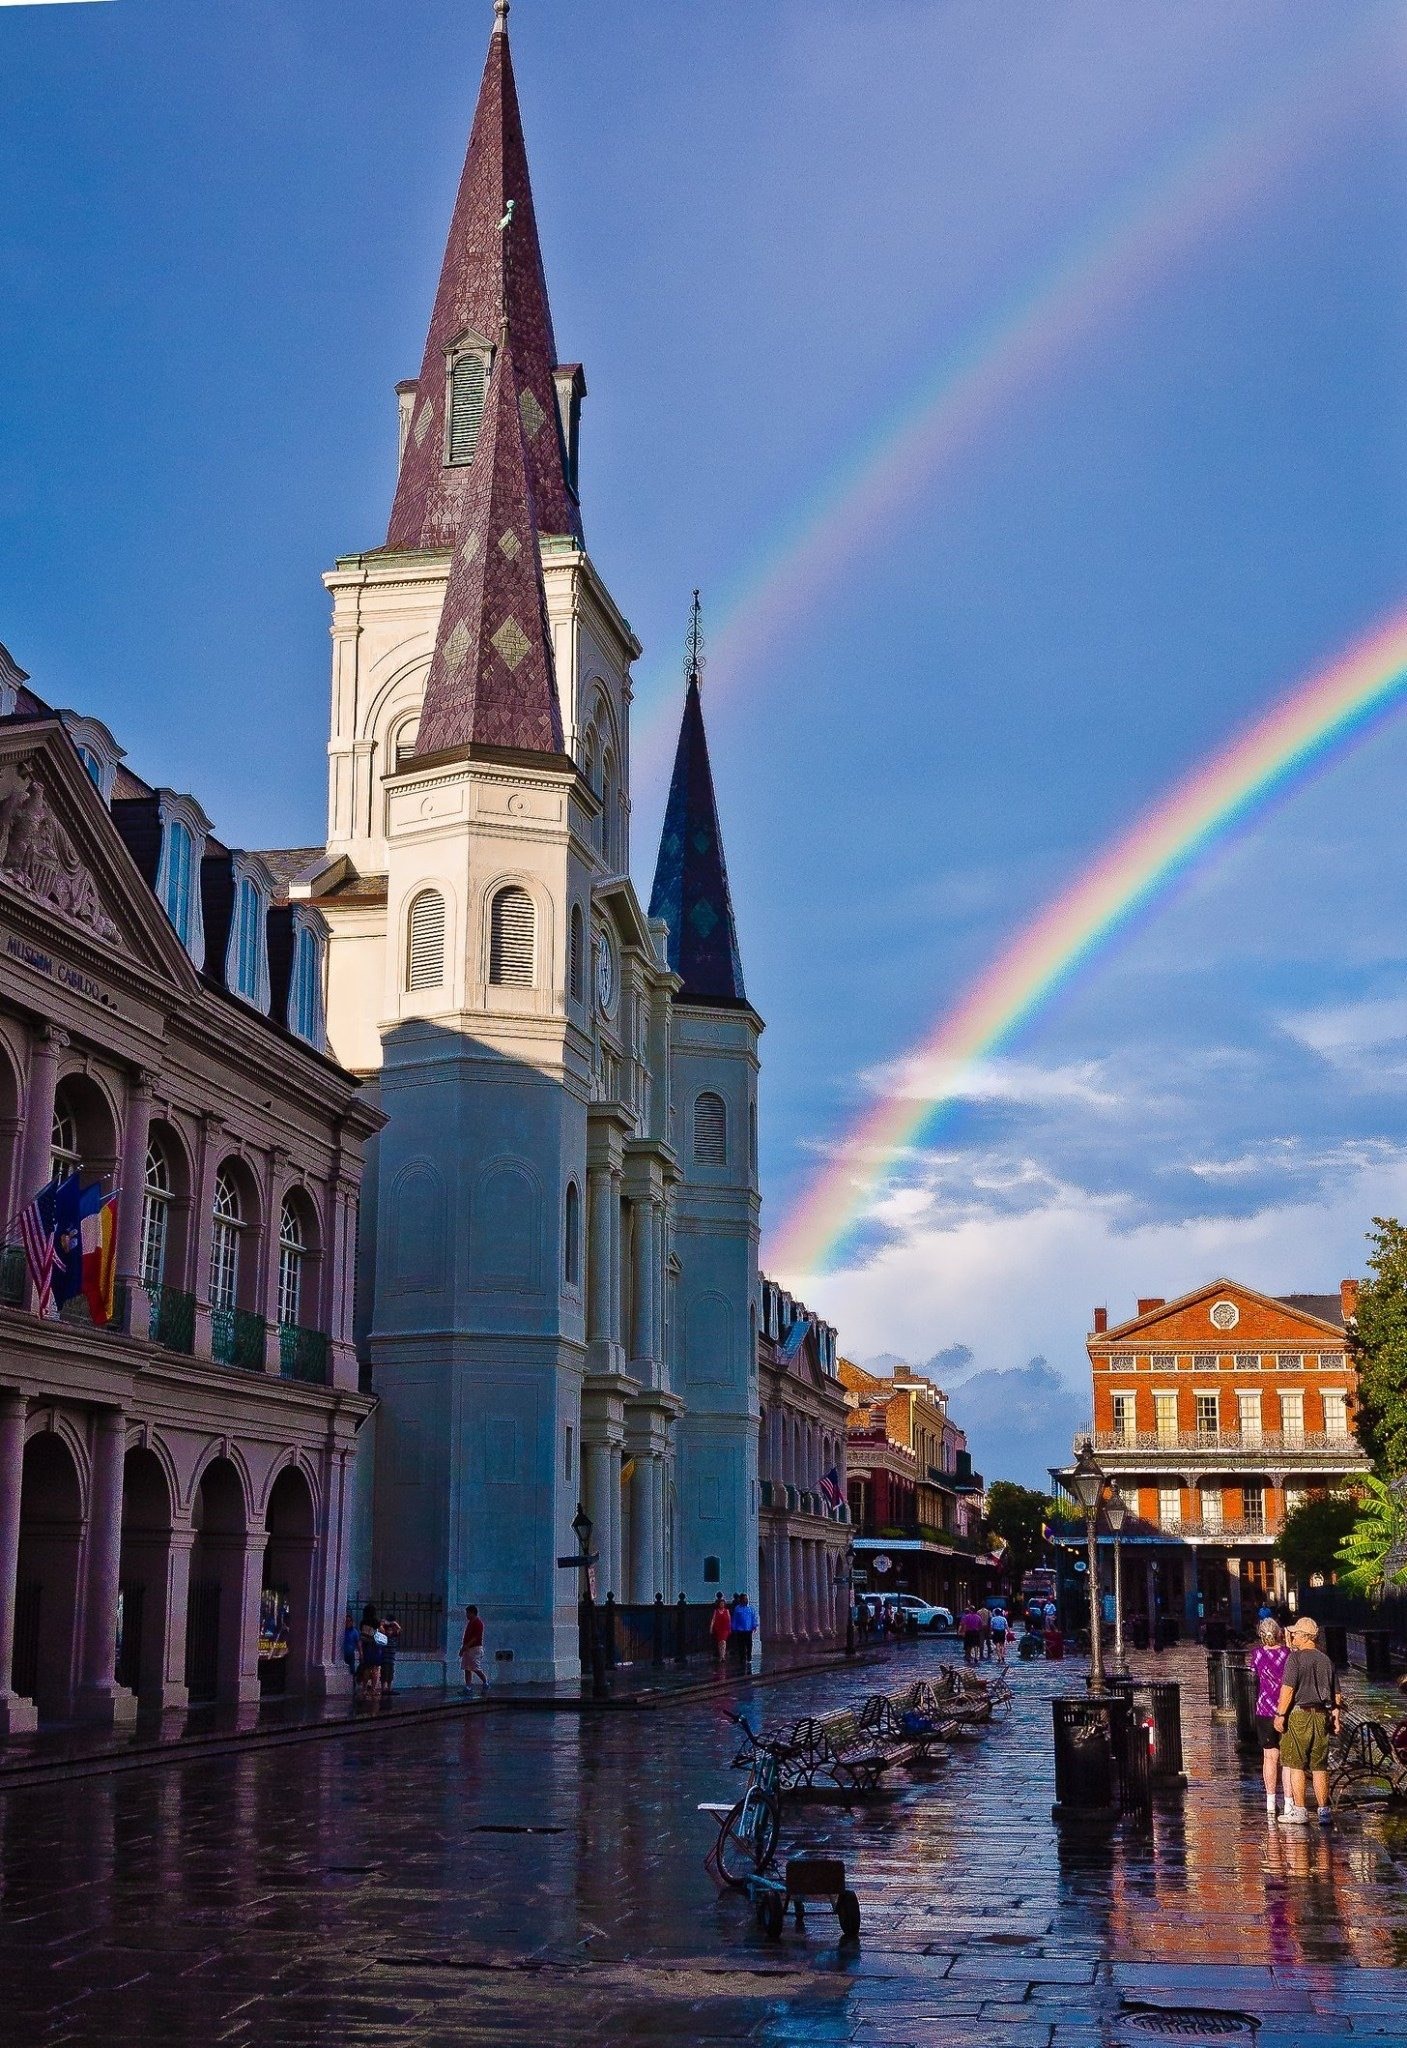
(63, 864)
(1223, 1315)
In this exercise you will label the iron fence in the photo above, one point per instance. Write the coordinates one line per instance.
(421, 1617)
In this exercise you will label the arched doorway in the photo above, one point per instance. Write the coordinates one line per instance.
(46, 1584)
(288, 1589)
(215, 1608)
(143, 1575)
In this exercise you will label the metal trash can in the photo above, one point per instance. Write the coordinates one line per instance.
(1219, 1691)
(1160, 1702)
(1377, 1653)
(1244, 1688)
(1133, 1755)
(1335, 1639)
(1214, 1635)
(1087, 1779)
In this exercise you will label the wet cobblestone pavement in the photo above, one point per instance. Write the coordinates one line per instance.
(383, 1890)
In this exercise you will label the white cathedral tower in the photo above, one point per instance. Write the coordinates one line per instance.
(558, 1277)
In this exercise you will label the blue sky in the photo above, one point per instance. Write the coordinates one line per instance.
(763, 227)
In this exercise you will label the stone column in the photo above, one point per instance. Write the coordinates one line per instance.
(174, 1692)
(615, 1317)
(598, 1273)
(100, 1698)
(659, 1251)
(795, 1593)
(212, 1133)
(596, 1481)
(132, 1176)
(612, 1556)
(242, 1582)
(17, 1716)
(645, 1581)
(37, 1149)
(642, 1366)
(659, 1484)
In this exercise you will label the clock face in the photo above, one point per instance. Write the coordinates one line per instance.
(605, 972)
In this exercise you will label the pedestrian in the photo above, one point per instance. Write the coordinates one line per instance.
(471, 1650)
(1307, 1715)
(351, 1647)
(1049, 1615)
(1267, 1661)
(999, 1627)
(986, 1614)
(744, 1628)
(373, 1642)
(971, 1625)
(720, 1628)
(391, 1629)
(1265, 1612)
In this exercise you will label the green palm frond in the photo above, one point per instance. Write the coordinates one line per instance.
(1374, 1553)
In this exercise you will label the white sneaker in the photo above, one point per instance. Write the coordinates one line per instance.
(1294, 1816)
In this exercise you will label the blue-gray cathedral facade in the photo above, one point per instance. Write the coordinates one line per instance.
(558, 1286)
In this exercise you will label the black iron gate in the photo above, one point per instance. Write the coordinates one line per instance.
(203, 1640)
(25, 1667)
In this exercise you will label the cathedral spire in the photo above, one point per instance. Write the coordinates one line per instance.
(691, 879)
(492, 272)
(491, 680)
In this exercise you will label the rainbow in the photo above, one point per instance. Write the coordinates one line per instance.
(1168, 216)
(1297, 736)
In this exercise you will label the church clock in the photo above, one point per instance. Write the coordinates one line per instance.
(605, 973)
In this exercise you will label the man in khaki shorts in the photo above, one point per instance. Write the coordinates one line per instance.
(1308, 1714)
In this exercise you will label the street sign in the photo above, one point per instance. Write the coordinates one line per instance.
(566, 1564)
(883, 1564)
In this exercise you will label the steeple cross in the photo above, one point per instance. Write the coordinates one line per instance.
(694, 663)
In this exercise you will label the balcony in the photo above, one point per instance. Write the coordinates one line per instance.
(1256, 1447)
(794, 1500)
(237, 1338)
(172, 1319)
(12, 1276)
(302, 1354)
(1232, 1531)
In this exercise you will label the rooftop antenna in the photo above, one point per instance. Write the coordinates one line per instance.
(694, 663)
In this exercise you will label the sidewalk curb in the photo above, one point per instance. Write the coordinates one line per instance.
(21, 1777)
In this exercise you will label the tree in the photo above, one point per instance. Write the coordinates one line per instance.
(1378, 1342)
(1374, 1553)
(1313, 1535)
(1017, 1514)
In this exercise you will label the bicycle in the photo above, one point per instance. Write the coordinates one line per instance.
(1368, 1762)
(749, 1828)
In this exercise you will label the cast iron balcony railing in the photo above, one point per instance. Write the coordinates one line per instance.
(302, 1354)
(1259, 1443)
(1231, 1531)
(12, 1276)
(172, 1319)
(237, 1338)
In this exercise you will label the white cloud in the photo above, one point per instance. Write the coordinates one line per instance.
(1344, 1033)
(993, 1080)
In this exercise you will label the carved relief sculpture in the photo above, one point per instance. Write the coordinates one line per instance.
(37, 857)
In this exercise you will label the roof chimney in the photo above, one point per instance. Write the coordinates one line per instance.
(1348, 1299)
(1148, 1302)
(1101, 1321)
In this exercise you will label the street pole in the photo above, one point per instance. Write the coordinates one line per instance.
(1096, 1638)
(850, 1599)
(1118, 1605)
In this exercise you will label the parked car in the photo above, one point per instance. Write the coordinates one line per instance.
(922, 1612)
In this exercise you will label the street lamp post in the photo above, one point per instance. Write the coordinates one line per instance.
(582, 1527)
(845, 1576)
(1115, 1509)
(1087, 1484)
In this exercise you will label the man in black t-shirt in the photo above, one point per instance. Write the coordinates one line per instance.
(1308, 1715)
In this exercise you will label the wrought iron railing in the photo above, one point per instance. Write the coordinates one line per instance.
(1231, 1529)
(420, 1617)
(12, 1276)
(172, 1319)
(1339, 1442)
(302, 1354)
(237, 1338)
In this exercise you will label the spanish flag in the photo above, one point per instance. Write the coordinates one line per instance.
(98, 1229)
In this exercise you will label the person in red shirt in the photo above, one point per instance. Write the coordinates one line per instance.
(471, 1651)
(720, 1628)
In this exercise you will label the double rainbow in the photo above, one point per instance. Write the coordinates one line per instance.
(1316, 721)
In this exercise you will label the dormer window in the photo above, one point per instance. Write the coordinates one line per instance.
(469, 365)
(247, 954)
(183, 829)
(96, 749)
(305, 985)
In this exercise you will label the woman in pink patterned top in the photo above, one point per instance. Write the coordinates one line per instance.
(1267, 1660)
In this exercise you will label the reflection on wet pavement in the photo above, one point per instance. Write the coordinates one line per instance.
(538, 1877)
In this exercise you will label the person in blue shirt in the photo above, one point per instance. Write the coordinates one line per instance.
(351, 1647)
(744, 1627)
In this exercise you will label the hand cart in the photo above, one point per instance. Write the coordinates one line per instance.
(808, 1877)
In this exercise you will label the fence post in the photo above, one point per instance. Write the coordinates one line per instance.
(657, 1647)
(681, 1623)
(610, 1631)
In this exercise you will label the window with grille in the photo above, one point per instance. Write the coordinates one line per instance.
(1211, 1507)
(1253, 1507)
(1331, 1361)
(425, 950)
(1164, 1361)
(1336, 1415)
(224, 1243)
(1165, 1417)
(64, 1157)
(710, 1129)
(177, 897)
(511, 939)
(571, 1249)
(1206, 1415)
(468, 383)
(1204, 1361)
(1123, 1417)
(307, 974)
(291, 1252)
(1169, 1507)
(156, 1215)
(1291, 1361)
(1249, 1406)
(1292, 1416)
(1247, 1361)
(576, 960)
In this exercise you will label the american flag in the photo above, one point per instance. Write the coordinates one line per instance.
(830, 1488)
(36, 1224)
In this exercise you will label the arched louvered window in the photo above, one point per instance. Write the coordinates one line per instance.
(64, 1155)
(425, 949)
(156, 1215)
(291, 1249)
(571, 1243)
(511, 938)
(710, 1129)
(467, 384)
(576, 957)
